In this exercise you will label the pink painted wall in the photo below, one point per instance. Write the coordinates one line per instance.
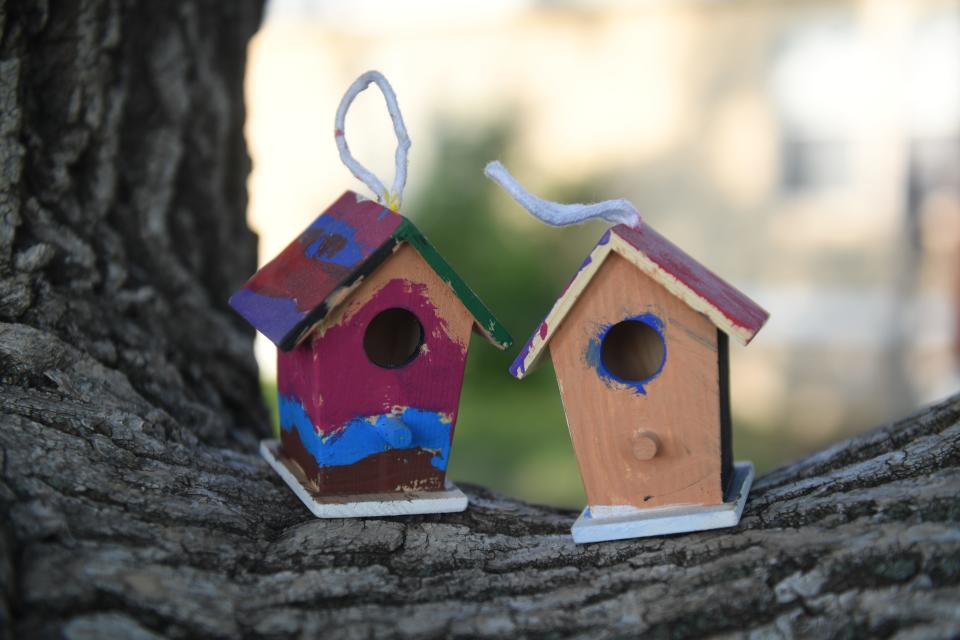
(335, 381)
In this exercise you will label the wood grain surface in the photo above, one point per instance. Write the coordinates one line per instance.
(681, 406)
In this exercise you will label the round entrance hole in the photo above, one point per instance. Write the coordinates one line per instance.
(393, 338)
(633, 351)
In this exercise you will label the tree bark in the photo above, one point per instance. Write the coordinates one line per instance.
(134, 505)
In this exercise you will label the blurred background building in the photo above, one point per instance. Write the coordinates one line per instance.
(808, 152)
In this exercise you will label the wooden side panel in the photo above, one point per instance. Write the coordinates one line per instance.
(726, 422)
(680, 407)
(355, 427)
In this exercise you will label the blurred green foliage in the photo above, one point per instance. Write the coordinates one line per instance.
(511, 436)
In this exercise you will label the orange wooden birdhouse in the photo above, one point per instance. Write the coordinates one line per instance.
(639, 342)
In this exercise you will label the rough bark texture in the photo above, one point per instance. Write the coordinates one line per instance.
(132, 503)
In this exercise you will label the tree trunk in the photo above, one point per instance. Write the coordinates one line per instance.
(134, 505)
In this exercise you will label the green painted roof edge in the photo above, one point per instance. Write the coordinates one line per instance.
(489, 326)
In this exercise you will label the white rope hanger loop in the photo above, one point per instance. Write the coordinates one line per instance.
(616, 211)
(391, 198)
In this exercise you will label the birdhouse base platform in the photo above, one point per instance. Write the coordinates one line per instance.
(619, 523)
(448, 500)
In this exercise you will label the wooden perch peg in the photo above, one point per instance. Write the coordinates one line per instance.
(645, 445)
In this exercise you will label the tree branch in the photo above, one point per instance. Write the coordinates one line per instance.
(133, 504)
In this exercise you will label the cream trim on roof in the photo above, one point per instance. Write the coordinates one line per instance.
(533, 350)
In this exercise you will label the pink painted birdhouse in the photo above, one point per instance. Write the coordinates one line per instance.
(372, 327)
(639, 342)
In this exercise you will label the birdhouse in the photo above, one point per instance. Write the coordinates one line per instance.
(639, 343)
(372, 328)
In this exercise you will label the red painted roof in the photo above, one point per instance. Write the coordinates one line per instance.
(699, 288)
(289, 293)
(740, 310)
(296, 289)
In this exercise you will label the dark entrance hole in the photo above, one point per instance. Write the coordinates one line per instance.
(393, 338)
(633, 351)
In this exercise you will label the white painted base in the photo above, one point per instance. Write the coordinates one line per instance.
(621, 522)
(449, 500)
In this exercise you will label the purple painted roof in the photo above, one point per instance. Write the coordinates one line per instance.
(292, 292)
(289, 293)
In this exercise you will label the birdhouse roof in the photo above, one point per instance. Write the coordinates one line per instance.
(702, 290)
(319, 270)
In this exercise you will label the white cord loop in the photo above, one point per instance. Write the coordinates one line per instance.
(616, 211)
(392, 198)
